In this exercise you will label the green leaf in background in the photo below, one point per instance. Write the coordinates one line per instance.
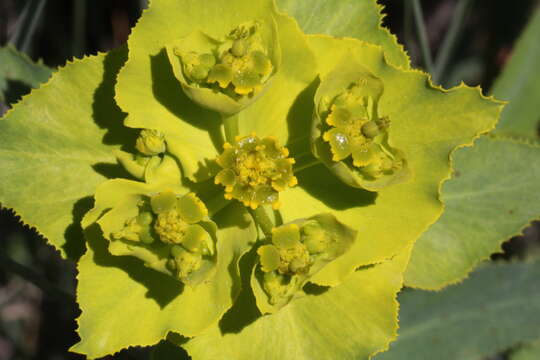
(126, 304)
(494, 310)
(18, 74)
(348, 322)
(520, 84)
(489, 200)
(57, 146)
(530, 351)
(360, 19)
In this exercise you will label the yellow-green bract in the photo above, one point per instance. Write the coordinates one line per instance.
(346, 309)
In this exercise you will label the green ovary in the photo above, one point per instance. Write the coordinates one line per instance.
(315, 238)
(184, 262)
(255, 171)
(239, 67)
(138, 228)
(150, 142)
(356, 131)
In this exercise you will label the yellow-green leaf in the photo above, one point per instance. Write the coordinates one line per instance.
(57, 146)
(126, 304)
(350, 321)
(157, 100)
(427, 124)
(271, 114)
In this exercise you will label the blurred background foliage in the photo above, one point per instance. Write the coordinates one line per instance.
(465, 40)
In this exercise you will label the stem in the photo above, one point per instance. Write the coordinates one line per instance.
(422, 35)
(36, 279)
(407, 25)
(449, 42)
(263, 220)
(27, 25)
(15, 38)
(308, 160)
(79, 25)
(298, 140)
(230, 124)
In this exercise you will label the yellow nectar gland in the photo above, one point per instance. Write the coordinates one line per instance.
(255, 171)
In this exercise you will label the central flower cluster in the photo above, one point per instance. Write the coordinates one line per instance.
(255, 171)
(356, 130)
